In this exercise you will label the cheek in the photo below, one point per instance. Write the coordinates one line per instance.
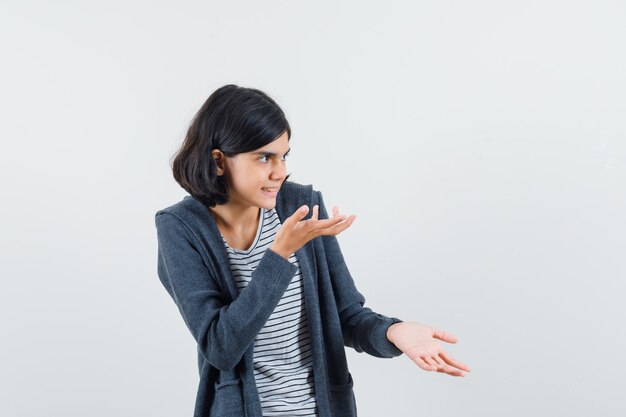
(249, 177)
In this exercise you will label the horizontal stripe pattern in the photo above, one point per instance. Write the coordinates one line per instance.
(283, 363)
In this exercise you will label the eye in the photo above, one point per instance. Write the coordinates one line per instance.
(264, 158)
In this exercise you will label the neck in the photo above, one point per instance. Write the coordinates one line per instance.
(234, 217)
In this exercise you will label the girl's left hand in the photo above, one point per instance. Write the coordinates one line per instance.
(417, 341)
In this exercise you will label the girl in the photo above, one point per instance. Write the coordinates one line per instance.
(253, 264)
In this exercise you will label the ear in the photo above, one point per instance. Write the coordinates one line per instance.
(218, 158)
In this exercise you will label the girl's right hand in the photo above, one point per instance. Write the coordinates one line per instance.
(294, 233)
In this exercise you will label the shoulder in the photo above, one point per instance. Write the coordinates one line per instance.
(183, 208)
(290, 187)
(292, 195)
(189, 214)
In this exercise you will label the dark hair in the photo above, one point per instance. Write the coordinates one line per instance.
(234, 120)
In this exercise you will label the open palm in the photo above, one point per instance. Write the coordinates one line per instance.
(419, 343)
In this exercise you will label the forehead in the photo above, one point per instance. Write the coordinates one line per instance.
(279, 146)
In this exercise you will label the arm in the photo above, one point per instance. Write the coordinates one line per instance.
(223, 331)
(379, 335)
(363, 329)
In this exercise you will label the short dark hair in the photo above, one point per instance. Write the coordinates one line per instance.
(234, 120)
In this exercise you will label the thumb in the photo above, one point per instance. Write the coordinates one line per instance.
(445, 336)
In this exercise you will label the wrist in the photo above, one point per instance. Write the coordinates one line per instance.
(280, 251)
(391, 330)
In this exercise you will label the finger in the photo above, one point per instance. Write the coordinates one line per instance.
(327, 223)
(440, 363)
(339, 227)
(298, 215)
(431, 362)
(453, 362)
(422, 364)
(452, 371)
(445, 336)
(316, 210)
(336, 212)
(442, 367)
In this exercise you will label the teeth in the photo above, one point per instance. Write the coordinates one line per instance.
(270, 189)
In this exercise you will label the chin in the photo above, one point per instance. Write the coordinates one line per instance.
(268, 205)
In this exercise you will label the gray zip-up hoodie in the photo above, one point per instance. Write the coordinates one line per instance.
(193, 266)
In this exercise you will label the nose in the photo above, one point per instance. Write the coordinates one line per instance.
(279, 170)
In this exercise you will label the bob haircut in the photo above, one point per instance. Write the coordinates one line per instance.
(234, 120)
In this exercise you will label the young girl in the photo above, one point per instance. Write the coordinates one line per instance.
(253, 264)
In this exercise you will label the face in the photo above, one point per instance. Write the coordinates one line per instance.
(255, 177)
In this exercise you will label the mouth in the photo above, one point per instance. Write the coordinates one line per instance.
(270, 190)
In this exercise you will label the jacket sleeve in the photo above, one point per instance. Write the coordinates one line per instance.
(363, 329)
(223, 331)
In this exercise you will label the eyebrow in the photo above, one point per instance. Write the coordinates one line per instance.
(265, 153)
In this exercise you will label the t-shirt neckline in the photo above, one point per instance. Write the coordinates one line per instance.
(256, 236)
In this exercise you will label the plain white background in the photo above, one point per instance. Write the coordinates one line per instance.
(481, 144)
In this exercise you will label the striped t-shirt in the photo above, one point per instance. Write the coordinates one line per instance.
(283, 364)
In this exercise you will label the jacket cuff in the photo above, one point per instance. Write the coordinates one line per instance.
(385, 347)
(276, 268)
